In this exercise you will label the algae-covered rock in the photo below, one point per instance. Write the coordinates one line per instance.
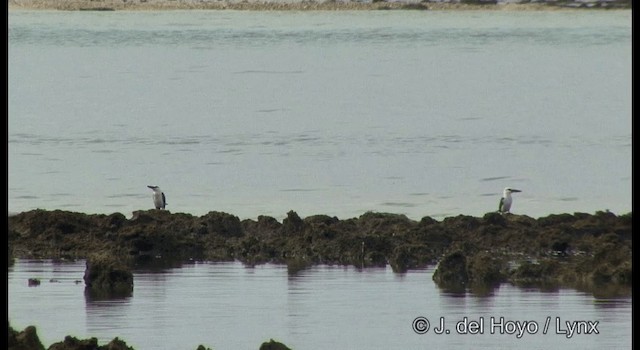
(273, 345)
(485, 268)
(73, 343)
(33, 282)
(452, 270)
(411, 256)
(24, 340)
(223, 224)
(293, 223)
(107, 275)
(10, 257)
(593, 248)
(532, 273)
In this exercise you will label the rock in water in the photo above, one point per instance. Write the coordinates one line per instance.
(273, 345)
(106, 275)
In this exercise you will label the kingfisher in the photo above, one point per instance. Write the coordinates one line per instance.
(506, 200)
(159, 200)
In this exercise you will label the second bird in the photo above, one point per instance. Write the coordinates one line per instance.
(506, 200)
(159, 200)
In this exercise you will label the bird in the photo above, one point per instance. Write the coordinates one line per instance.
(506, 200)
(159, 200)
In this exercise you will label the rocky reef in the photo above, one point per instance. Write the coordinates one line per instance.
(580, 249)
(28, 340)
(25, 340)
(273, 345)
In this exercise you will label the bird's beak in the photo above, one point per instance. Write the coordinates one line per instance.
(512, 190)
(149, 186)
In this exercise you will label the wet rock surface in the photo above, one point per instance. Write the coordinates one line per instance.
(107, 276)
(585, 251)
(563, 249)
(72, 343)
(273, 345)
(25, 340)
(28, 340)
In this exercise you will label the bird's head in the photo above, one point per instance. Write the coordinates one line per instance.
(510, 190)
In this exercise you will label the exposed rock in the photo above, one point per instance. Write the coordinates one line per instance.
(593, 249)
(273, 345)
(107, 276)
(452, 270)
(495, 218)
(265, 226)
(411, 256)
(10, 256)
(33, 282)
(292, 223)
(222, 224)
(485, 268)
(72, 343)
(28, 340)
(25, 340)
(535, 273)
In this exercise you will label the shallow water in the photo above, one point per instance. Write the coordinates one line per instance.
(257, 113)
(231, 306)
(253, 113)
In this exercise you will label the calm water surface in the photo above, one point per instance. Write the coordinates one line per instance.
(254, 113)
(230, 306)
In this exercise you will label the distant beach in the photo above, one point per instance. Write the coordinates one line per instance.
(152, 5)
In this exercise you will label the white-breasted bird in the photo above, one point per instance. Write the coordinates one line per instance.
(506, 200)
(159, 200)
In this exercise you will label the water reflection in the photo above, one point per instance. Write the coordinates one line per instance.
(147, 263)
(231, 305)
(103, 314)
(607, 291)
(93, 295)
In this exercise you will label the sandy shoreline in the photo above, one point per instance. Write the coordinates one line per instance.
(152, 5)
